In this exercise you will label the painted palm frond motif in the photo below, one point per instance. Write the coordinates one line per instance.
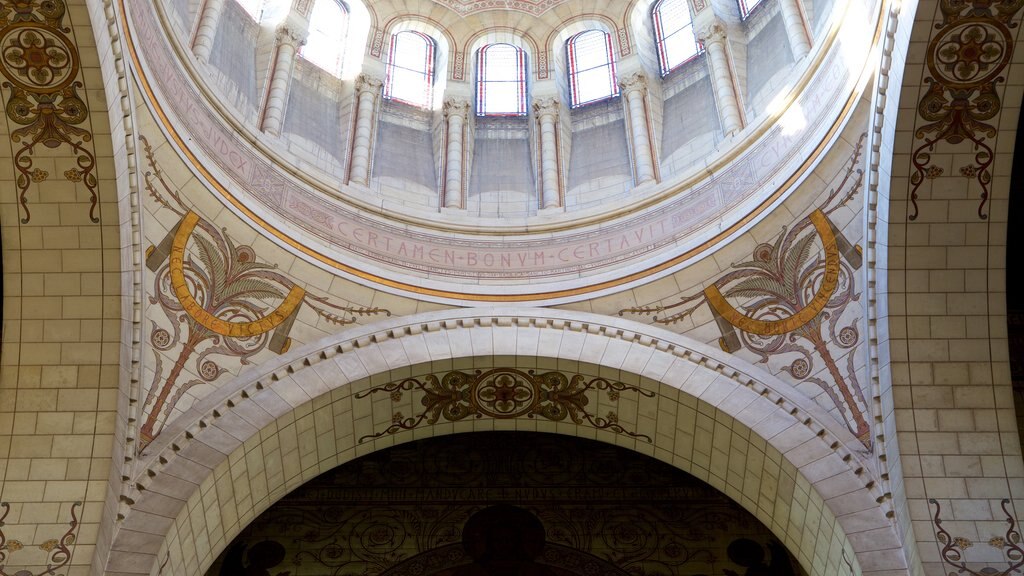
(220, 302)
(788, 302)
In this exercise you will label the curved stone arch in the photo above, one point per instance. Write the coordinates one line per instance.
(446, 46)
(555, 44)
(968, 375)
(227, 459)
(521, 39)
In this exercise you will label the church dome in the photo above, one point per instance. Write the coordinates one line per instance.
(513, 151)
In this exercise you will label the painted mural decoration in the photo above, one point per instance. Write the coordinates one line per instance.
(57, 550)
(42, 80)
(506, 393)
(498, 503)
(216, 296)
(954, 547)
(966, 58)
(792, 300)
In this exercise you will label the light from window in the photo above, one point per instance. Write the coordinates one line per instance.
(747, 6)
(591, 67)
(501, 81)
(673, 30)
(253, 7)
(410, 73)
(325, 44)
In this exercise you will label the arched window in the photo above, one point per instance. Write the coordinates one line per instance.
(501, 81)
(747, 6)
(673, 30)
(410, 73)
(325, 44)
(591, 67)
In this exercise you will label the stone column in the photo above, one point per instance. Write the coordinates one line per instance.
(796, 27)
(723, 76)
(545, 110)
(456, 111)
(634, 92)
(209, 21)
(286, 46)
(367, 94)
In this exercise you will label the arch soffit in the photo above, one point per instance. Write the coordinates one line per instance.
(446, 43)
(555, 43)
(521, 39)
(231, 422)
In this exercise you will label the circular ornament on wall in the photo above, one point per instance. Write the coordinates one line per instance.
(969, 53)
(37, 59)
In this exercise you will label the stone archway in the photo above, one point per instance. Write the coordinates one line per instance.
(705, 412)
(505, 503)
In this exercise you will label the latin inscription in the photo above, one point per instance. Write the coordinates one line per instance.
(565, 255)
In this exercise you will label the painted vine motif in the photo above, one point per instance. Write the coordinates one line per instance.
(794, 298)
(953, 547)
(58, 550)
(505, 393)
(972, 47)
(216, 301)
(41, 65)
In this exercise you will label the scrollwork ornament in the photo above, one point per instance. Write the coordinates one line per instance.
(41, 69)
(456, 107)
(966, 59)
(712, 33)
(214, 295)
(546, 107)
(58, 550)
(506, 393)
(792, 297)
(635, 82)
(291, 36)
(367, 83)
(954, 547)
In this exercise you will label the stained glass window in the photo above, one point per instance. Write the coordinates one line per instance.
(591, 67)
(410, 72)
(325, 44)
(673, 30)
(501, 81)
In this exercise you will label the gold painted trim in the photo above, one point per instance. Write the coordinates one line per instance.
(480, 297)
(199, 314)
(786, 325)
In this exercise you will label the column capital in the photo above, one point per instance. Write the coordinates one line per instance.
(456, 107)
(635, 82)
(713, 32)
(546, 107)
(290, 34)
(367, 83)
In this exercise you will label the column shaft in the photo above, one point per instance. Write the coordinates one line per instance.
(455, 111)
(634, 89)
(546, 111)
(280, 78)
(796, 27)
(366, 89)
(209, 21)
(722, 74)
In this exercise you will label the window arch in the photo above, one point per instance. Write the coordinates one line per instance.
(325, 44)
(410, 71)
(673, 31)
(591, 67)
(501, 81)
(748, 6)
